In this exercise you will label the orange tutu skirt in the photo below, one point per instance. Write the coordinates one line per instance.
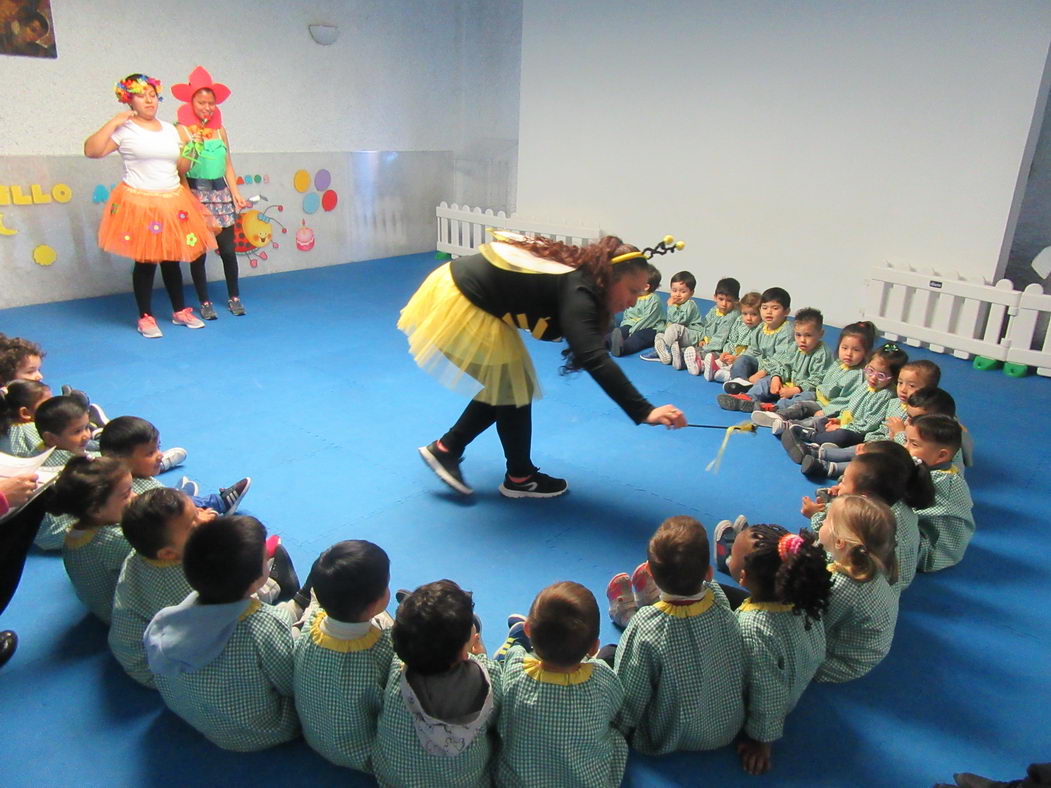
(151, 227)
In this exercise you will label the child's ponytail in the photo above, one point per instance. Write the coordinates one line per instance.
(864, 330)
(84, 485)
(893, 356)
(790, 568)
(868, 526)
(888, 470)
(19, 394)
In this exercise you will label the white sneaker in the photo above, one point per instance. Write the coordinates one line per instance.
(676, 357)
(737, 386)
(721, 375)
(186, 317)
(171, 458)
(710, 367)
(189, 486)
(660, 344)
(767, 418)
(690, 357)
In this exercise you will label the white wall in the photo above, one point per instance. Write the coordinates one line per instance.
(793, 144)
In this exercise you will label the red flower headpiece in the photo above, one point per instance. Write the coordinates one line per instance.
(199, 79)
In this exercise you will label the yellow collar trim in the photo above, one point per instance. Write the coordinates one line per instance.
(534, 668)
(769, 331)
(343, 646)
(720, 314)
(644, 295)
(253, 606)
(161, 563)
(769, 607)
(686, 611)
(950, 469)
(78, 537)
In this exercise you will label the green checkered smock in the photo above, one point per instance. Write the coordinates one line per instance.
(740, 336)
(837, 385)
(907, 549)
(687, 314)
(717, 327)
(144, 587)
(946, 527)
(52, 532)
(242, 700)
(772, 347)
(93, 560)
(557, 729)
(399, 758)
(805, 370)
(682, 667)
(781, 658)
(141, 484)
(895, 410)
(864, 412)
(648, 312)
(339, 687)
(859, 626)
(21, 440)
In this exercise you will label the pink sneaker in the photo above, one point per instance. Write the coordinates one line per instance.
(621, 602)
(642, 585)
(148, 327)
(186, 317)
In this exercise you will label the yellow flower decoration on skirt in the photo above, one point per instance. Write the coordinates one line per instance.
(191, 239)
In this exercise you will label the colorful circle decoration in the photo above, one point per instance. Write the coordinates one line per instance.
(100, 194)
(155, 228)
(329, 200)
(44, 255)
(301, 181)
(322, 180)
(183, 216)
(311, 202)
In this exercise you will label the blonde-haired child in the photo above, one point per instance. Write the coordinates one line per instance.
(858, 534)
(742, 332)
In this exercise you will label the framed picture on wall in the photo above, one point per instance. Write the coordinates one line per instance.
(26, 28)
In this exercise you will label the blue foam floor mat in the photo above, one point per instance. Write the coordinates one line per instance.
(314, 395)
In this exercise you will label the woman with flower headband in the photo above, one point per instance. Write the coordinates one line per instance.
(211, 178)
(150, 216)
(463, 323)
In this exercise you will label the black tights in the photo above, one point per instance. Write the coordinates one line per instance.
(225, 239)
(142, 276)
(515, 426)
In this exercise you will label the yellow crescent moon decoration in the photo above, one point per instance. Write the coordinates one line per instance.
(5, 230)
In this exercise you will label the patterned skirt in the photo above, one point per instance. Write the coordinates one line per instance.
(214, 195)
(151, 227)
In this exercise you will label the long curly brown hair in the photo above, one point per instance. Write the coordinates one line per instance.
(801, 580)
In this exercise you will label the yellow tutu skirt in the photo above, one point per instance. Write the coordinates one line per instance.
(467, 349)
(151, 227)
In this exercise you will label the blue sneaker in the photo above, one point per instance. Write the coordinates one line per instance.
(650, 355)
(515, 636)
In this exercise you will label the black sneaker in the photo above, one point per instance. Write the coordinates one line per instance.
(539, 485)
(445, 466)
(793, 445)
(232, 496)
(813, 468)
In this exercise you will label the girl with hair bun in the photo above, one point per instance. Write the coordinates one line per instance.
(863, 608)
(95, 490)
(787, 577)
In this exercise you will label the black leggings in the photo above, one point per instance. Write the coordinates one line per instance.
(142, 276)
(515, 426)
(225, 238)
(16, 537)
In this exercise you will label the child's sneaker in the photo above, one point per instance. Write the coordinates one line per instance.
(616, 342)
(515, 636)
(232, 496)
(621, 600)
(813, 468)
(235, 306)
(765, 418)
(676, 357)
(445, 466)
(793, 444)
(97, 416)
(660, 347)
(538, 485)
(738, 402)
(172, 457)
(189, 486)
(737, 386)
(148, 327)
(650, 355)
(724, 535)
(721, 375)
(208, 311)
(710, 367)
(186, 317)
(692, 359)
(643, 587)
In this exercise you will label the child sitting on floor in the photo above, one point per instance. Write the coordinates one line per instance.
(683, 328)
(858, 535)
(743, 330)
(947, 525)
(784, 641)
(221, 659)
(640, 323)
(94, 490)
(342, 658)
(62, 423)
(559, 707)
(442, 697)
(681, 659)
(156, 524)
(717, 324)
(770, 346)
(800, 371)
(20, 359)
(18, 406)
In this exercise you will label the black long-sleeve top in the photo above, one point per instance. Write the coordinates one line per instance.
(550, 307)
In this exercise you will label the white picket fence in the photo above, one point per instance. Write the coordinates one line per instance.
(964, 316)
(462, 229)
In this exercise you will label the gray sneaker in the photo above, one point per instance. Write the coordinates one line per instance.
(676, 357)
(208, 311)
(692, 359)
(661, 346)
(235, 306)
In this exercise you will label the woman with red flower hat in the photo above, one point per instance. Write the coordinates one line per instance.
(150, 216)
(211, 178)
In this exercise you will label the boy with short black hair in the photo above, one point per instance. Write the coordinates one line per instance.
(221, 659)
(801, 370)
(62, 423)
(639, 324)
(717, 323)
(342, 658)
(771, 345)
(946, 527)
(443, 694)
(157, 525)
(684, 325)
(681, 659)
(557, 722)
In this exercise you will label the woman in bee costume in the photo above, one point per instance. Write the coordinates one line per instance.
(463, 327)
